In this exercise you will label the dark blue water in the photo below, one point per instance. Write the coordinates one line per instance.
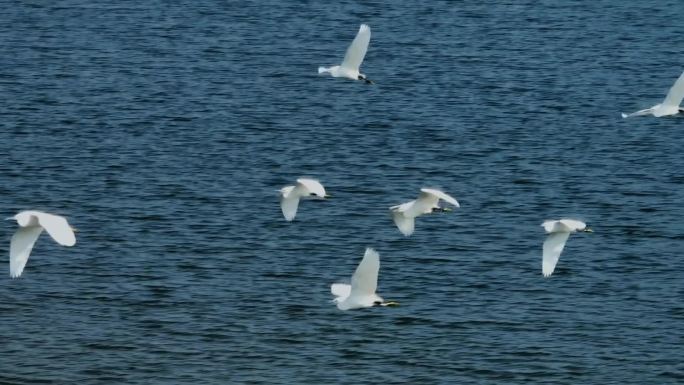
(162, 130)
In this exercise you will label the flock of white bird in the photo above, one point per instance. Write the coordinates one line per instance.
(364, 282)
(362, 290)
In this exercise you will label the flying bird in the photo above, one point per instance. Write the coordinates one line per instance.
(669, 106)
(290, 195)
(353, 58)
(31, 225)
(428, 202)
(559, 231)
(364, 283)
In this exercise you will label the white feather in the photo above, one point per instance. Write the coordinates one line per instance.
(405, 224)
(431, 194)
(676, 94)
(31, 224)
(353, 58)
(357, 49)
(288, 205)
(310, 186)
(290, 195)
(559, 231)
(20, 248)
(404, 214)
(553, 247)
(364, 283)
(669, 106)
(340, 291)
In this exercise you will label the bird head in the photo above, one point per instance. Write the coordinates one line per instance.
(314, 195)
(441, 209)
(363, 77)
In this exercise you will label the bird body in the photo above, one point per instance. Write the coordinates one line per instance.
(559, 232)
(290, 195)
(669, 106)
(427, 202)
(353, 58)
(31, 225)
(364, 283)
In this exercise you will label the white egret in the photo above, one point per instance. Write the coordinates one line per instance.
(364, 282)
(290, 195)
(353, 58)
(428, 202)
(31, 224)
(559, 231)
(669, 106)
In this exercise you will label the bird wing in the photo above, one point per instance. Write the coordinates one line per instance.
(553, 247)
(58, 228)
(431, 194)
(289, 204)
(364, 282)
(20, 248)
(676, 94)
(357, 49)
(340, 291)
(405, 224)
(573, 224)
(646, 111)
(312, 186)
(548, 225)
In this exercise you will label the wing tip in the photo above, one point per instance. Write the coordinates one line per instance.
(624, 115)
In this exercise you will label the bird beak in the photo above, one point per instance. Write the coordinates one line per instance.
(447, 209)
(9, 218)
(327, 196)
(75, 230)
(368, 81)
(390, 304)
(588, 230)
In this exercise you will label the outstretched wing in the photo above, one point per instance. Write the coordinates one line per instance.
(431, 194)
(405, 224)
(364, 282)
(312, 186)
(289, 204)
(676, 94)
(647, 111)
(20, 248)
(58, 228)
(573, 224)
(553, 247)
(357, 50)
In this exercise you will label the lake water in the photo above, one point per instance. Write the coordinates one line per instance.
(162, 130)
